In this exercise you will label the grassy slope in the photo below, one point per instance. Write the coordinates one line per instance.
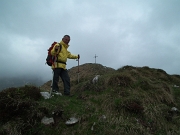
(130, 100)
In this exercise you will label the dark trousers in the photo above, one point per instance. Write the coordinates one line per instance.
(60, 72)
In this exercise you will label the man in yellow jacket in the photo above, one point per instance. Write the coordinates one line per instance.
(59, 66)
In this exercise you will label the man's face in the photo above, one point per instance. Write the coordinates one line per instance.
(66, 40)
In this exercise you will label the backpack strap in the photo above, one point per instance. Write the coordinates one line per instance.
(60, 46)
(60, 62)
(57, 61)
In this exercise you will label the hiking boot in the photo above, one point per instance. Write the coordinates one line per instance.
(56, 92)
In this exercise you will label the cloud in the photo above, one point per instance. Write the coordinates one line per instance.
(134, 32)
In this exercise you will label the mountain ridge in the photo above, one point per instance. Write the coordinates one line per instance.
(129, 100)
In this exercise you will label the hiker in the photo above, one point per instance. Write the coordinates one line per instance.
(59, 66)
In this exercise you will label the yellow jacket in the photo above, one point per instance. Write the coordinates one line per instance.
(62, 55)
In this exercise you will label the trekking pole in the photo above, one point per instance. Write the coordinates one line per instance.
(51, 84)
(78, 70)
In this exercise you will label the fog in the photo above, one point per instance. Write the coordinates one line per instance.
(134, 32)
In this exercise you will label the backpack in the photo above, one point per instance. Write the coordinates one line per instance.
(51, 59)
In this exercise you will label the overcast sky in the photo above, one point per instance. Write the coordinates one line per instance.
(120, 32)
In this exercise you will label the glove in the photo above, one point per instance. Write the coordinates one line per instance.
(78, 56)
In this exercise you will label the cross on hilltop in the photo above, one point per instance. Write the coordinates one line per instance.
(95, 58)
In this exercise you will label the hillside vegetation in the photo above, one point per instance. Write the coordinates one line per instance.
(127, 101)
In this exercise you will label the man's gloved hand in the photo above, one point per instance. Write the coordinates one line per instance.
(78, 56)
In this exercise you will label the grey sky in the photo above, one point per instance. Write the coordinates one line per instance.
(120, 32)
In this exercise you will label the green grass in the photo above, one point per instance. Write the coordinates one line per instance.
(140, 105)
